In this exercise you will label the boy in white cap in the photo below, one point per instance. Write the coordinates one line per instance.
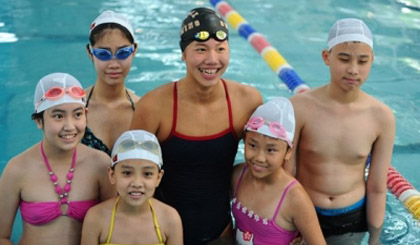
(337, 127)
(269, 205)
(55, 181)
(134, 217)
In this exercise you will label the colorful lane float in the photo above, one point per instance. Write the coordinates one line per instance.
(396, 183)
(273, 58)
(404, 191)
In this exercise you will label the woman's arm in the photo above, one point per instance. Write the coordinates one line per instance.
(9, 199)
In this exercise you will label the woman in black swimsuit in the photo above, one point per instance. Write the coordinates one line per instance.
(111, 106)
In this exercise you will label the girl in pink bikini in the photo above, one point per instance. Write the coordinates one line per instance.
(269, 205)
(55, 181)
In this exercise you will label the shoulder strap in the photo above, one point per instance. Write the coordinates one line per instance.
(129, 99)
(240, 179)
(111, 226)
(157, 228)
(89, 95)
(232, 129)
(293, 182)
(175, 109)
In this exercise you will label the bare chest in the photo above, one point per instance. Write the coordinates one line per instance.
(342, 135)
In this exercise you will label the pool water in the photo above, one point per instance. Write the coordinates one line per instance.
(40, 37)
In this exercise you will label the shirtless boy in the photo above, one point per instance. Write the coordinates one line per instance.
(337, 126)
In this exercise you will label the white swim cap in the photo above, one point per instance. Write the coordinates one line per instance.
(137, 144)
(52, 90)
(109, 16)
(275, 118)
(348, 30)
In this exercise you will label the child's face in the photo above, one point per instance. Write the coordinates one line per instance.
(63, 125)
(136, 180)
(349, 64)
(265, 155)
(112, 71)
(206, 61)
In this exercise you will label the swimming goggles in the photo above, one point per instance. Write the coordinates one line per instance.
(56, 93)
(105, 54)
(276, 128)
(203, 36)
(128, 145)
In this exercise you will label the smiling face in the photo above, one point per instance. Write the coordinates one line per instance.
(113, 71)
(63, 125)
(349, 63)
(206, 61)
(265, 155)
(136, 180)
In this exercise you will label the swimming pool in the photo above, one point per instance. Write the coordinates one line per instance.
(40, 37)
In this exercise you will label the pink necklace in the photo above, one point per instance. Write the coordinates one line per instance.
(61, 194)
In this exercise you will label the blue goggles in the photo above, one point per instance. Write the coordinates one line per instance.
(105, 54)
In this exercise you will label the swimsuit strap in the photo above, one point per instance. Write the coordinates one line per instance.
(126, 92)
(229, 109)
(89, 95)
(111, 226)
(240, 179)
(293, 182)
(157, 228)
(131, 101)
(175, 109)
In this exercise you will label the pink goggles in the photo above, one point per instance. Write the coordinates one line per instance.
(276, 128)
(56, 93)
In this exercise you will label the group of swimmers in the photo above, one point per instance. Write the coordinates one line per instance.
(162, 171)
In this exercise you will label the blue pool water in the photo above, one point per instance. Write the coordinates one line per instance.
(40, 37)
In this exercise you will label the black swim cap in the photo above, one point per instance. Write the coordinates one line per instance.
(201, 19)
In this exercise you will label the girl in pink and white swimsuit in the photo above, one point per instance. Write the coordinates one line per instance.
(56, 181)
(269, 205)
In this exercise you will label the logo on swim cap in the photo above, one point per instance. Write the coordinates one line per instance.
(198, 20)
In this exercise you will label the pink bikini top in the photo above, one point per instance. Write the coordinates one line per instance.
(252, 229)
(39, 213)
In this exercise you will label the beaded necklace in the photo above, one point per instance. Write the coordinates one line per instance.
(61, 194)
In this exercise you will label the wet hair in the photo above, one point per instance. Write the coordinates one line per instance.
(99, 32)
(38, 116)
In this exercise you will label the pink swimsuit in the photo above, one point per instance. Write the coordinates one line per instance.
(252, 229)
(39, 213)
